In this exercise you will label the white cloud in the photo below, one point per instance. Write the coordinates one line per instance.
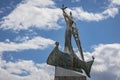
(32, 13)
(45, 15)
(21, 39)
(36, 71)
(105, 67)
(7, 40)
(35, 43)
(75, 1)
(107, 60)
(111, 12)
(87, 16)
(115, 2)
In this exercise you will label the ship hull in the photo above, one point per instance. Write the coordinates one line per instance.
(67, 61)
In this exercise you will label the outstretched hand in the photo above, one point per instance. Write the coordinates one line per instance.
(63, 7)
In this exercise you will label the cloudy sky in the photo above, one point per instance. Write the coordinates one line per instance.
(29, 28)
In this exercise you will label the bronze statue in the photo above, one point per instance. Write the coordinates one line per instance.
(68, 59)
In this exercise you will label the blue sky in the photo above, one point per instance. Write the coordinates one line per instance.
(29, 28)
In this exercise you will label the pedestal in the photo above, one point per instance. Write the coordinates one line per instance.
(65, 74)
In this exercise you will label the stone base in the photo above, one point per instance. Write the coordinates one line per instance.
(65, 74)
(70, 78)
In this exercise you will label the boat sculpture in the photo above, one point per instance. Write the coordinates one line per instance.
(68, 59)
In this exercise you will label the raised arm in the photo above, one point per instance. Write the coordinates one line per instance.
(63, 8)
(66, 17)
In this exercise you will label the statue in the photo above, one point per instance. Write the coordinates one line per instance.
(68, 59)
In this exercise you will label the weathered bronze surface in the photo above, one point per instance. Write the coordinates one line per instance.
(68, 59)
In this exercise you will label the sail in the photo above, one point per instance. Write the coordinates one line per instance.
(77, 40)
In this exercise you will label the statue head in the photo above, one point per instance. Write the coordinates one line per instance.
(71, 15)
